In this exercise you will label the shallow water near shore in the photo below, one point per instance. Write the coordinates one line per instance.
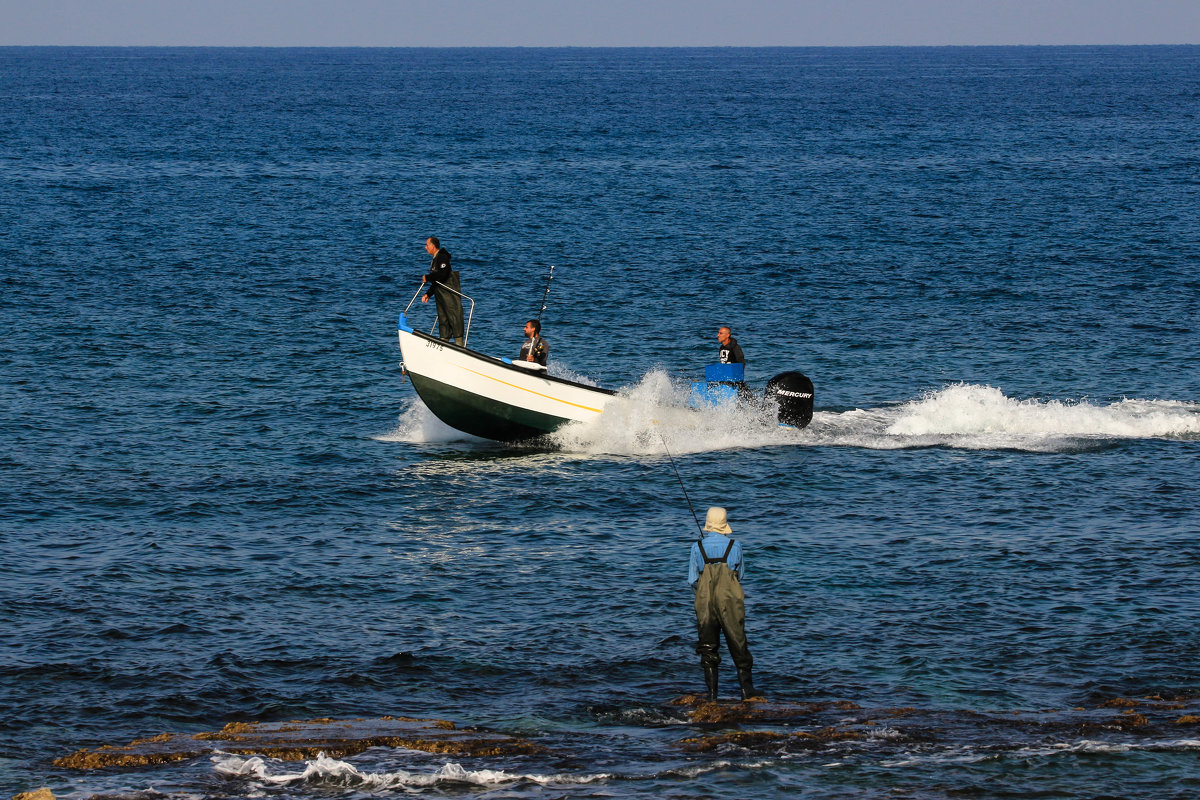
(221, 502)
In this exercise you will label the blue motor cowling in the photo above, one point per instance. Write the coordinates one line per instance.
(793, 394)
(723, 384)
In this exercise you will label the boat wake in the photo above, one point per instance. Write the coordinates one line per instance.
(974, 417)
(653, 416)
(965, 416)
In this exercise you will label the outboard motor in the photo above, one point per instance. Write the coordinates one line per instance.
(793, 392)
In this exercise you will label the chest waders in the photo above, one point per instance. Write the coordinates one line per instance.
(721, 608)
(449, 309)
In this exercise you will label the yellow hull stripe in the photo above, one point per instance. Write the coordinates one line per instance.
(531, 391)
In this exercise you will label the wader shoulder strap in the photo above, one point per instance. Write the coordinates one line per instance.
(722, 560)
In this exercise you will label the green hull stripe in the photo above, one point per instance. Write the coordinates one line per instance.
(482, 416)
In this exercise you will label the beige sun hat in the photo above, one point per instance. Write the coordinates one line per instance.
(716, 522)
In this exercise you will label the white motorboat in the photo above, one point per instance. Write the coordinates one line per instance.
(505, 400)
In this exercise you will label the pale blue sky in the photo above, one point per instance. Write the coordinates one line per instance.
(596, 22)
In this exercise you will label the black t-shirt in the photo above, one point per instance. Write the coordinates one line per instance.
(541, 350)
(732, 353)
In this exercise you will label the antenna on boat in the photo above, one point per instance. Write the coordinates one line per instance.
(679, 478)
(546, 293)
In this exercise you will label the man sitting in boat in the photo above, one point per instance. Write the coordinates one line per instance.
(535, 350)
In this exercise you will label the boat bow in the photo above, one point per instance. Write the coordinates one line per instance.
(491, 397)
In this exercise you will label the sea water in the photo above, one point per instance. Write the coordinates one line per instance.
(220, 500)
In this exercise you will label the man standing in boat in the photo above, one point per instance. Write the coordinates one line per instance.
(731, 351)
(535, 348)
(445, 288)
(715, 572)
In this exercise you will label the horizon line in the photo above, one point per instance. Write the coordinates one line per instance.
(594, 46)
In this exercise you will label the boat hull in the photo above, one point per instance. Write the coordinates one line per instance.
(486, 397)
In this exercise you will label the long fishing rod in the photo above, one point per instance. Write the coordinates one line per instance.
(546, 293)
(679, 478)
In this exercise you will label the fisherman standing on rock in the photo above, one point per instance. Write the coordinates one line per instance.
(715, 573)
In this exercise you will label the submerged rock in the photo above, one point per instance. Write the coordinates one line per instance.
(755, 710)
(773, 739)
(37, 794)
(778, 726)
(300, 740)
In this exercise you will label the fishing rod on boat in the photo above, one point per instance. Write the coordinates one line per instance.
(546, 293)
(679, 478)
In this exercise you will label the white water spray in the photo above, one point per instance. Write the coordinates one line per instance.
(966, 416)
(326, 772)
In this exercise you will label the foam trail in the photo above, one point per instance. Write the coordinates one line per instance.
(981, 417)
(966, 416)
(331, 772)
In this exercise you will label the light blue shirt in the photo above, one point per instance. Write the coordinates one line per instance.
(714, 547)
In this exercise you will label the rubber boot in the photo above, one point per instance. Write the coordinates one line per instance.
(710, 680)
(747, 683)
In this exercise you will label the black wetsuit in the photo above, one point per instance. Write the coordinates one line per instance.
(439, 270)
(449, 304)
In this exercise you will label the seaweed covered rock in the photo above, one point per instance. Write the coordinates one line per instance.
(300, 740)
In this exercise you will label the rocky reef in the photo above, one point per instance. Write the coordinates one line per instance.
(300, 740)
(758, 726)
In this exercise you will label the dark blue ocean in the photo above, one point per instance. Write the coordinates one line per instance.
(221, 502)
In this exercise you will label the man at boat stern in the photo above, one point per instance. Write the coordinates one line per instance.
(446, 291)
(731, 351)
(715, 572)
(535, 348)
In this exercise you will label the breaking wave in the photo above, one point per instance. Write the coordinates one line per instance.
(329, 772)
